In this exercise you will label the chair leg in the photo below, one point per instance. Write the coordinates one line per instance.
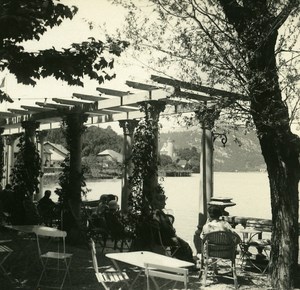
(234, 275)
(205, 272)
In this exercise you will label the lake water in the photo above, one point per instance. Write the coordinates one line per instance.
(250, 192)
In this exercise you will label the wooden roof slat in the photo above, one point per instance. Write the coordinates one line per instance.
(6, 115)
(195, 87)
(192, 96)
(141, 86)
(71, 102)
(34, 109)
(108, 111)
(89, 97)
(18, 111)
(114, 93)
(53, 106)
(122, 109)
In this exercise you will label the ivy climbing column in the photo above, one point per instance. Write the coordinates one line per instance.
(40, 140)
(72, 179)
(152, 110)
(128, 127)
(10, 155)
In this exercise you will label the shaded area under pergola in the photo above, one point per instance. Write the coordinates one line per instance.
(123, 106)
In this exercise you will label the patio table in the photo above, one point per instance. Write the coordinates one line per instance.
(140, 258)
(247, 240)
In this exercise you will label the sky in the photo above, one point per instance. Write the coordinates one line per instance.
(101, 13)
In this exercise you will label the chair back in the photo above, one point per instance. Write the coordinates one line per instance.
(50, 232)
(166, 272)
(221, 244)
(94, 257)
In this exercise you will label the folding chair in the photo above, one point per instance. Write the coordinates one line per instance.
(170, 273)
(56, 261)
(219, 245)
(5, 252)
(108, 276)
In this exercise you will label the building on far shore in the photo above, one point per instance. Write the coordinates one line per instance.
(54, 154)
(168, 149)
(107, 156)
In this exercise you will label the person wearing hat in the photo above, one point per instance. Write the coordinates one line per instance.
(214, 223)
(167, 236)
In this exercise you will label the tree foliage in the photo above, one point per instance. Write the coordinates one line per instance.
(26, 20)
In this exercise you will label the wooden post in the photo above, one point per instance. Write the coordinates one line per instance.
(128, 127)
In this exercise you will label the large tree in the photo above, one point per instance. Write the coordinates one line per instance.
(26, 20)
(247, 46)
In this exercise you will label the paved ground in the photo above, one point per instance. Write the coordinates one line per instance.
(24, 267)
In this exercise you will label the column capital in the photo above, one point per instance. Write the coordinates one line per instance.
(152, 108)
(10, 139)
(30, 125)
(128, 126)
(40, 136)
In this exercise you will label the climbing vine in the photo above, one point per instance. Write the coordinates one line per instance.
(27, 168)
(25, 180)
(73, 126)
(145, 159)
(1, 156)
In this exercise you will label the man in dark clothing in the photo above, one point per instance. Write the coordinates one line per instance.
(46, 208)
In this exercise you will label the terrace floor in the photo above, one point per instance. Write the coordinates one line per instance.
(24, 268)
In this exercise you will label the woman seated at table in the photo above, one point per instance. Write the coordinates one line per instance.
(214, 223)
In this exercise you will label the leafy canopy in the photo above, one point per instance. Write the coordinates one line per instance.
(194, 41)
(26, 20)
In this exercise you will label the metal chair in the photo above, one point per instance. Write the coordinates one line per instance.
(108, 276)
(167, 273)
(57, 261)
(219, 245)
(5, 252)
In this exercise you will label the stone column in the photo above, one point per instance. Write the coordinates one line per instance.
(40, 141)
(2, 156)
(30, 128)
(128, 127)
(74, 128)
(206, 175)
(10, 157)
(152, 111)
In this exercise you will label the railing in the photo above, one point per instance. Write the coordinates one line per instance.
(264, 225)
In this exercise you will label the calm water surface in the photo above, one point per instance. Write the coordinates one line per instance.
(250, 192)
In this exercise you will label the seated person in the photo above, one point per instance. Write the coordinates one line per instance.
(46, 208)
(214, 222)
(103, 204)
(166, 233)
(115, 222)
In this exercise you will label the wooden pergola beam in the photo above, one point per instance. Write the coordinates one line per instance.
(53, 106)
(70, 102)
(18, 111)
(141, 86)
(199, 88)
(34, 109)
(89, 97)
(114, 93)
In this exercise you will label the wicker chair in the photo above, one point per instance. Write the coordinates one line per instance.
(219, 245)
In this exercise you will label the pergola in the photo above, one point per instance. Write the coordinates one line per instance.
(122, 106)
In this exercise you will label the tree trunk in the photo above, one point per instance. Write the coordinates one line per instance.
(257, 31)
(280, 148)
